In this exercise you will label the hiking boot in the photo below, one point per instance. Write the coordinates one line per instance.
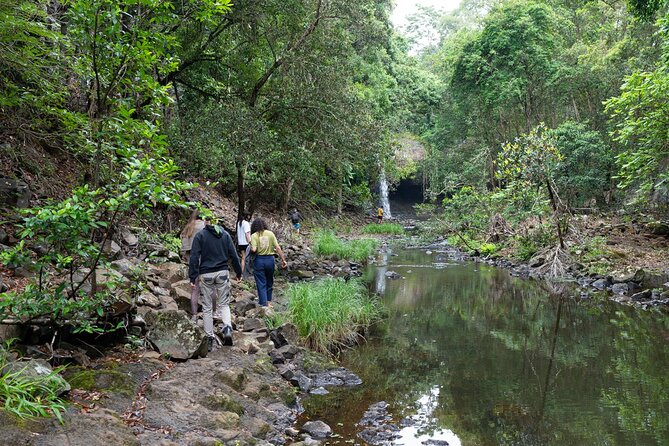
(227, 335)
(210, 343)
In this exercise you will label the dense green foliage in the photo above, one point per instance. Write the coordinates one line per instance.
(587, 78)
(330, 313)
(326, 243)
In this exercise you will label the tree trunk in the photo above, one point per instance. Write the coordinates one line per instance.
(556, 213)
(286, 198)
(241, 193)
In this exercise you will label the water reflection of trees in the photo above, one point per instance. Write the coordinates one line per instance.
(517, 364)
(640, 362)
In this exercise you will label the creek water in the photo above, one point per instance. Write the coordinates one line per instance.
(469, 355)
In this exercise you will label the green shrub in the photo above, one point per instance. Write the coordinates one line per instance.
(330, 313)
(471, 245)
(595, 255)
(487, 249)
(383, 228)
(533, 241)
(327, 243)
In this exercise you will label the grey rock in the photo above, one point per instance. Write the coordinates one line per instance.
(336, 377)
(123, 266)
(643, 295)
(128, 237)
(148, 299)
(288, 351)
(181, 292)
(167, 303)
(34, 369)
(392, 275)
(276, 357)
(243, 305)
(291, 432)
(172, 272)
(286, 371)
(4, 238)
(254, 324)
(173, 257)
(14, 193)
(302, 274)
(289, 333)
(620, 288)
(173, 333)
(317, 429)
(112, 249)
(301, 381)
(601, 284)
(629, 276)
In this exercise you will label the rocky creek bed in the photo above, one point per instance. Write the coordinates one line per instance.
(171, 392)
(162, 387)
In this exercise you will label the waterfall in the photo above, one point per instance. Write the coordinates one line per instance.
(383, 192)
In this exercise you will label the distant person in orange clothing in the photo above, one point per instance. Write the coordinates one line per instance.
(379, 215)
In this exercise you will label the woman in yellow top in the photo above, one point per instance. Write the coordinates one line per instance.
(379, 215)
(264, 245)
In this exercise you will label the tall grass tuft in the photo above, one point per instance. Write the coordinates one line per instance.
(383, 228)
(28, 397)
(330, 313)
(327, 243)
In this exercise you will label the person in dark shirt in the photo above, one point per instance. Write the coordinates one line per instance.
(211, 250)
(295, 218)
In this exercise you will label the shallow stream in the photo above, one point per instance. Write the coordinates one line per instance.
(469, 355)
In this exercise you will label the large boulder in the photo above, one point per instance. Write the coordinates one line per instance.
(14, 193)
(174, 334)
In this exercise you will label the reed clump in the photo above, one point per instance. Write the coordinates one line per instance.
(326, 243)
(331, 313)
(383, 228)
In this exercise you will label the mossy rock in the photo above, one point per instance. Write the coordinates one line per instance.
(222, 403)
(17, 430)
(235, 378)
(105, 380)
(288, 395)
(222, 420)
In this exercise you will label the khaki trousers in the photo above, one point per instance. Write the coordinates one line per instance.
(215, 288)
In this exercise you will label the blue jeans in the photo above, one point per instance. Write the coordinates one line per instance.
(263, 271)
